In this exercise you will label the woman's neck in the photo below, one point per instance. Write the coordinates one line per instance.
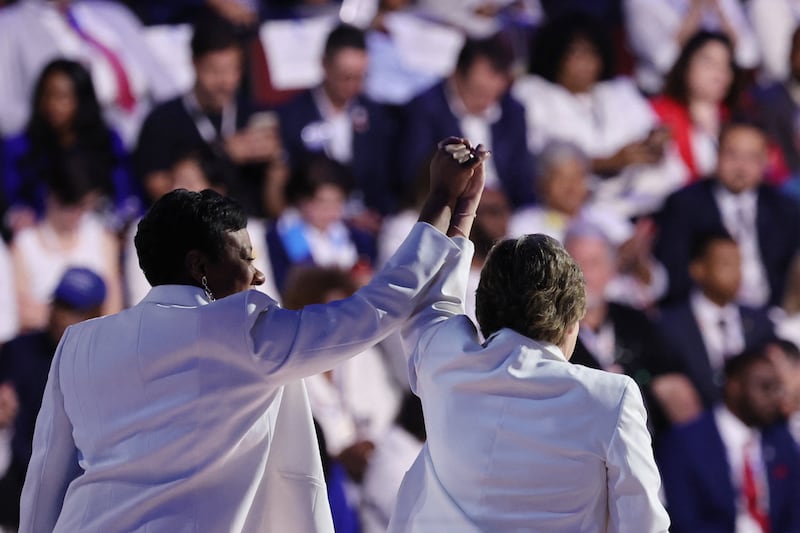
(705, 114)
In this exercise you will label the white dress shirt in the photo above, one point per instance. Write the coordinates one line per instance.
(737, 437)
(338, 128)
(720, 328)
(739, 214)
(518, 438)
(178, 415)
(653, 24)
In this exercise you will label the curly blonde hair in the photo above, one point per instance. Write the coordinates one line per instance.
(530, 285)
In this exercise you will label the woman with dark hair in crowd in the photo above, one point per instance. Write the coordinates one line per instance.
(571, 94)
(699, 94)
(66, 119)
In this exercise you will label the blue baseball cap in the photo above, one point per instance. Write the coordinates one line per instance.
(81, 289)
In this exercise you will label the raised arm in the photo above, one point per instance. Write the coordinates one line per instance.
(295, 344)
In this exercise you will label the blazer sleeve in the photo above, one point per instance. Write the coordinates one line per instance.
(633, 478)
(54, 462)
(290, 345)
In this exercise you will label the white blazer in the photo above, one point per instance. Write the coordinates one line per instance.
(177, 415)
(519, 439)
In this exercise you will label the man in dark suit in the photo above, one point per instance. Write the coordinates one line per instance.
(708, 327)
(211, 121)
(337, 120)
(737, 466)
(474, 102)
(764, 222)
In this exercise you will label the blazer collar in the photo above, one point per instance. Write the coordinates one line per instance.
(181, 295)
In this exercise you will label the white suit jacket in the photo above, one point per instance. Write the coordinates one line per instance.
(176, 416)
(519, 439)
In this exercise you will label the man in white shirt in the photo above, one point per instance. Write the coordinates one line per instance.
(187, 412)
(735, 469)
(518, 439)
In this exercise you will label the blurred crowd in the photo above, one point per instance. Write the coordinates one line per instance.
(658, 140)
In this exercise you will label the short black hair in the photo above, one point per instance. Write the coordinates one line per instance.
(181, 221)
(530, 285)
(552, 42)
(74, 176)
(344, 36)
(676, 85)
(739, 364)
(314, 172)
(497, 50)
(743, 122)
(213, 34)
(701, 243)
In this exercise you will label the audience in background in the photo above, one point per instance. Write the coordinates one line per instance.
(394, 453)
(699, 93)
(764, 222)
(65, 121)
(571, 94)
(708, 327)
(69, 235)
(659, 29)
(325, 174)
(211, 120)
(25, 364)
(314, 231)
(736, 468)
(474, 103)
(104, 36)
(337, 120)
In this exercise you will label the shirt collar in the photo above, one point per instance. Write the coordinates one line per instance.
(491, 115)
(709, 312)
(177, 295)
(746, 198)
(734, 432)
(511, 337)
(324, 105)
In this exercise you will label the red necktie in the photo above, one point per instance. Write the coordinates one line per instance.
(125, 98)
(750, 492)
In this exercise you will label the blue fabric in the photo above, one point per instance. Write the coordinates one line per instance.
(345, 517)
(80, 288)
(697, 481)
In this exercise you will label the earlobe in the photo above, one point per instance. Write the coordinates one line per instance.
(195, 263)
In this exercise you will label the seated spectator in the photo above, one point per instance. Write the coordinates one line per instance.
(314, 231)
(659, 29)
(736, 468)
(562, 187)
(65, 119)
(570, 94)
(708, 327)
(787, 316)
(335, 119)
(194, 172)
(473, 102)
(395, 452)
(104, 36)
(69, 235)
(785, 355)
(618, 338)
(778, 105)
(774, 22)
(355, 402)
(211, 121)
(25, 363)
(764, 222)
(699, 94)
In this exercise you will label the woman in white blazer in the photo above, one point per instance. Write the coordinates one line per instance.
(519, 439)
(187, 412)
